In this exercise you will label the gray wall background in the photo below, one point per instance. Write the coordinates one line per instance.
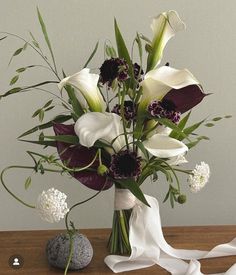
(207, 48)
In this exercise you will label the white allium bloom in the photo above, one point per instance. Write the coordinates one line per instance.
(200, 177)
(51, 205)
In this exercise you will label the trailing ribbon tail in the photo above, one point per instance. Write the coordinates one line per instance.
(149, 247)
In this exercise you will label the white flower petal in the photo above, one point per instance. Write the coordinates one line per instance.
(163, 146)
(86, 84)
(93, 126)
(157, 83)
(164, 26)
(180, 159)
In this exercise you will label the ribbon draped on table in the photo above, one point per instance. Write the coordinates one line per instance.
(149, 247)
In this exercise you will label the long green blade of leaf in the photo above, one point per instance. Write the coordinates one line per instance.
(46, 143)
(92, 55)
(77, 108)
(64, 138)
(122, 49)
(57, 119)
(26, 88)
(181, 126)
(44, 30)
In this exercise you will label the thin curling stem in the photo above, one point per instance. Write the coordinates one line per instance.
(8, 190)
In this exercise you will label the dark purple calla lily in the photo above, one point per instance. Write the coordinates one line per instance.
(79, 156)
(185, 98)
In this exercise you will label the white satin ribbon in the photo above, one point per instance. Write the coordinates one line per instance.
(149, 247)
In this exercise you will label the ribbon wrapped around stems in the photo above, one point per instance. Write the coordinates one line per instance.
(149, 247)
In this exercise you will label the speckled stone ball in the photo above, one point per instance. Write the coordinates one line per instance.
(58, 249)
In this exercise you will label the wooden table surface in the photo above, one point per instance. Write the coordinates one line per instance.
(31, 246)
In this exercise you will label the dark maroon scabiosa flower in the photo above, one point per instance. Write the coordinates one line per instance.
(130, 110)
(113, 68)
(125, 164)
(164, 109)
(138, 72)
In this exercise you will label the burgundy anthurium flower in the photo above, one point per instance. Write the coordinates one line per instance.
(79, 156)
(184, 99)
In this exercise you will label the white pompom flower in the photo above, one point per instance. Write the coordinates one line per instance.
(200, 176)
(51, 205)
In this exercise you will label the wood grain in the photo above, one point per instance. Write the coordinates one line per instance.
(31, 246)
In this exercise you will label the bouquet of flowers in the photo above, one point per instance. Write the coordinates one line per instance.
(121, 123)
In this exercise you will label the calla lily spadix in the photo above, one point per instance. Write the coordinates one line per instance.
(163, 146)
(159, 82)
(164, 26)
(86, 83)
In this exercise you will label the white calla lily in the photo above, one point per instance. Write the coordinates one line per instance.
(94, 126)
(163, 146)
(157, 83)
(164, 26)
(86, 83)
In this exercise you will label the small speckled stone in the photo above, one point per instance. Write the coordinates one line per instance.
(58, 250)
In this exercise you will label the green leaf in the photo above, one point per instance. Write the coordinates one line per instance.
(192, 144)
(171, 125)
(11, 91)
(209, 124)
(110, 51)
(167, 196)
(181, 125)
(44, 142)
(143, 37)
(25, 46)
(35, 42)
(49, 108)
(64, 138)
(216, 118)
(28, 183)
(48, 103)
(140, 48)
(36, 112)
(17, 52)
(189, 130)
(122, 49)
(77, 108)
(2, 38)
(26, 88)
(14, 79)
(20, 70)
(228, 116)
(41, 115)
(92, 55)
(142, 148)
(44, 30)
(134, 189)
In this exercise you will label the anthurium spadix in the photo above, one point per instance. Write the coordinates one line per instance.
(159, 82)
(86, 83)
(163, 146)
(164, 26)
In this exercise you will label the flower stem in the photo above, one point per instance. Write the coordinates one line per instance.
(8, 190)
(70, 254)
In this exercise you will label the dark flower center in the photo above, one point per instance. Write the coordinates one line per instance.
(113, 68)
(164, 109)
(130, 110)
(125, 164)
